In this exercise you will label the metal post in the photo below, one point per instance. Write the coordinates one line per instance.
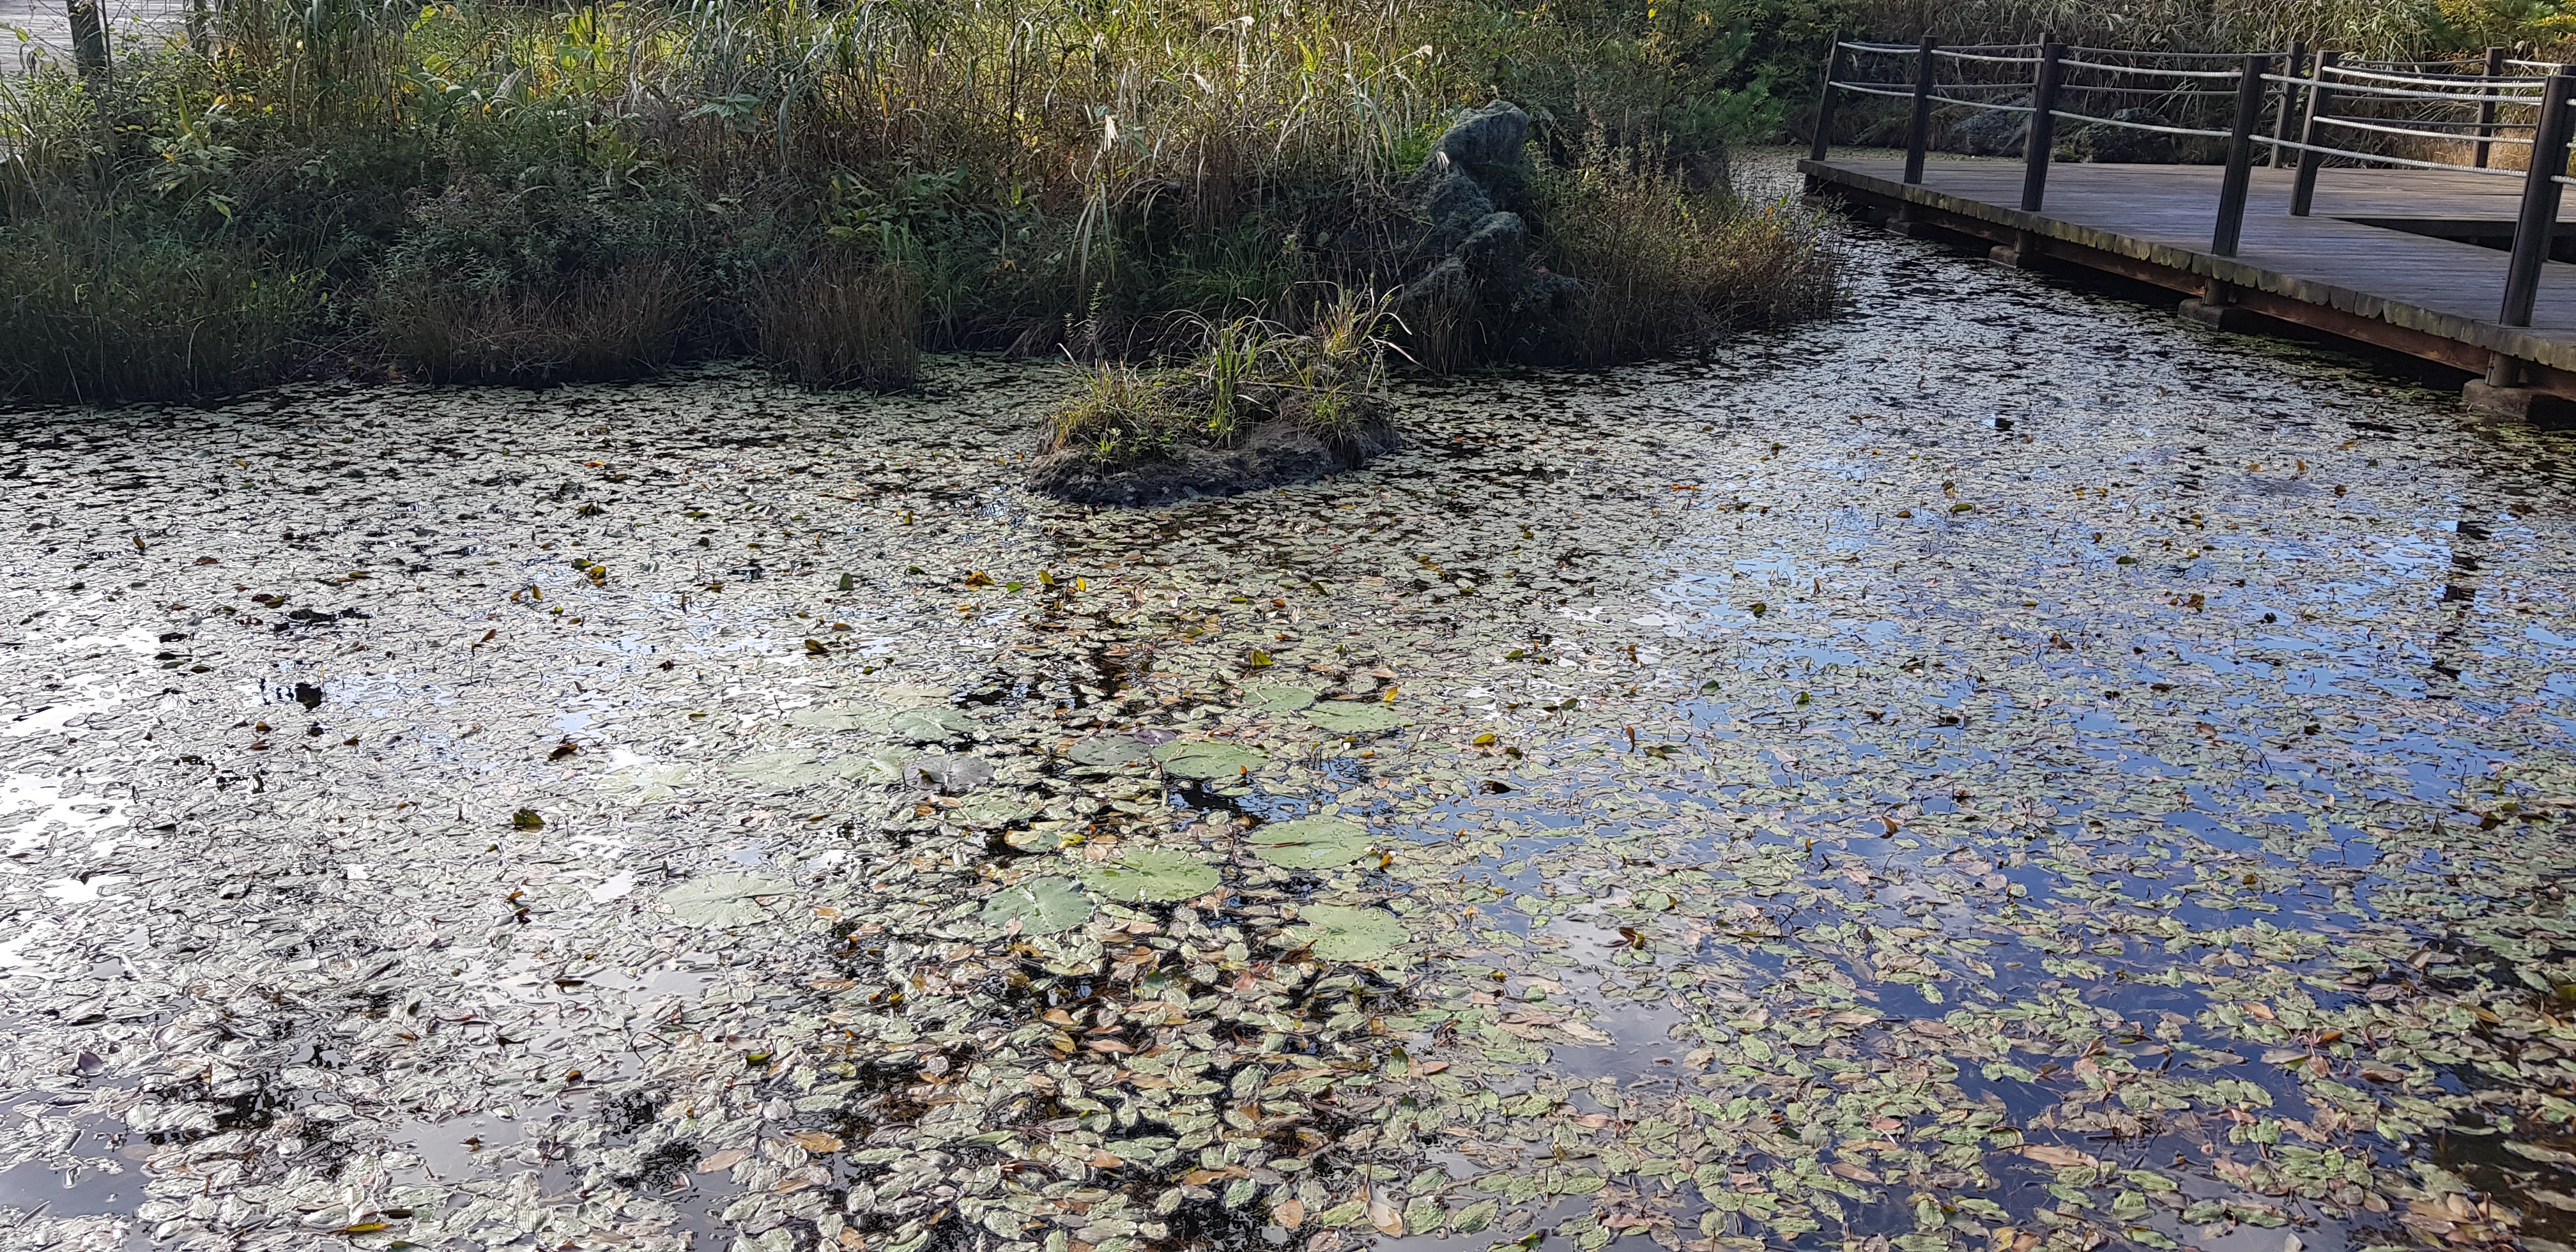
(89, 36)
(2303, 189)
(2289, 99)
(2539, 218)
(2487, 105)
(1825, 100)
(1918, 137)
(2240, 155)
(2040, 141)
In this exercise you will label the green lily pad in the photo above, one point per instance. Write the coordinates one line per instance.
(1655, 900)
(789, 771)
(1151, 874)
(1309, 842)
(1279, 699)
(644, 784)
(840, 719)
(1209, 760)
(1350, 717)
(1042, 906)
(989, 812)
(931, 725)
(722, 899)
(1345, 934)
(1108, 750)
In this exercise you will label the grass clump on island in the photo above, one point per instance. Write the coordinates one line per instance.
(1329, 380)
(489, 191)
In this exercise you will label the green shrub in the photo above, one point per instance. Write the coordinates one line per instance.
(536, 284)
(107, 314)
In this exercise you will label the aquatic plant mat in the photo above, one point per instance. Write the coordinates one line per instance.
(2038, 779)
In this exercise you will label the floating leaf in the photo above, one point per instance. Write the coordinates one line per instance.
(1280, 699)
(931, 725)
(1309, 842)
(1209, 760)
(1346, 934)
(990, 812)
(840, 719)
(793, 770)
(1108, 750)
(722, 899)
(1151, 874)
(1350, 717)
(1042, 906)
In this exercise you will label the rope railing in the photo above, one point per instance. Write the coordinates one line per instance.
(2334, 105)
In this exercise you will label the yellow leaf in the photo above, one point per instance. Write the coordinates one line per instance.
(817, 1141)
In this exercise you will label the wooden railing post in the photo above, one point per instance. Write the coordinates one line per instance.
(2303, 189)
(89, 36)
(2289, 99)
(2040, 141)
(2487, 106)
(2240, 155)
(1918, 136)
(2539, 220)
(1825, 100)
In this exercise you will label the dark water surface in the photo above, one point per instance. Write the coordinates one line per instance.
(2003, 769)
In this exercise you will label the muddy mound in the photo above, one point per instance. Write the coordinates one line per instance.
(1273, 454)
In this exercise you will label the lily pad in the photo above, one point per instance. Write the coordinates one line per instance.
(840, 719)
(1152, 874)
(1108, 750)
(1042, 906)
(722, 899)
(1309, 842)
(644, 784)
(1350, 717)
(1346, 934)
(931, 725)
(989, 812)
(793, 770)
(1279, 699)
(1209, 760)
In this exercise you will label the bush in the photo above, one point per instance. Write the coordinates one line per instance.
(836, 322)
(106, 314)
(1660, 265)
(533, 285)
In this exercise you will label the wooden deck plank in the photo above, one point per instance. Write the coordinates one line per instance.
(2163, 214)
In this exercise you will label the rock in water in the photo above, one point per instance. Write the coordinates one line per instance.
(1466, 189)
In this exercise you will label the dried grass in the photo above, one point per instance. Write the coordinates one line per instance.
(836, 322)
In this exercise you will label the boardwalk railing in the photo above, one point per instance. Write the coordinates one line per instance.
(2338, 107)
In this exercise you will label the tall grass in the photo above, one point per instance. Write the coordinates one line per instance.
(504, 191)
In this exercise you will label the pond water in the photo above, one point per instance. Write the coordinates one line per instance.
(2002, 769)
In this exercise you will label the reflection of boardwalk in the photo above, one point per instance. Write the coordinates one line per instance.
(43, 29)
(2372, 263)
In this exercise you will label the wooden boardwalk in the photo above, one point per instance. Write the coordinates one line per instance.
(2435, 298)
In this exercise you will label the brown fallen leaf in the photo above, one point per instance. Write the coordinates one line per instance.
(1384, 1216)
(817, 1141)
(1289, 1213)
(1857, 1173)
(726, 1159)
(2050, 1154)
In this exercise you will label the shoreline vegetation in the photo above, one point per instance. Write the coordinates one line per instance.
(490, 192)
